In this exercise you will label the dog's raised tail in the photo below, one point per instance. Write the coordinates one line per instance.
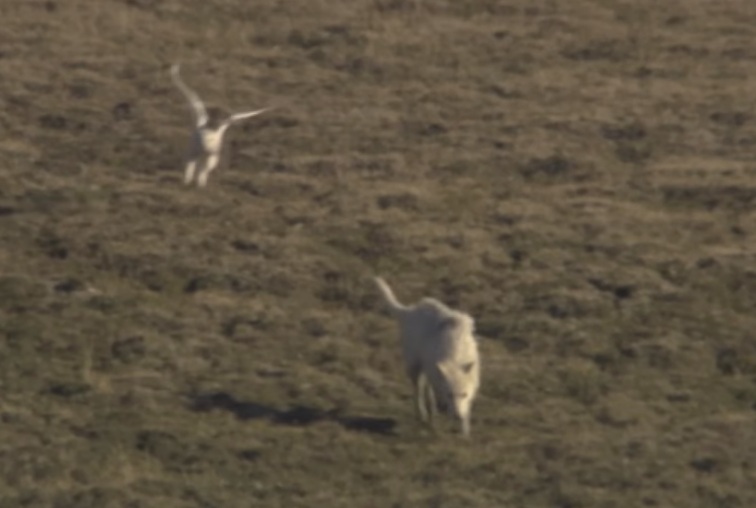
(388, 295)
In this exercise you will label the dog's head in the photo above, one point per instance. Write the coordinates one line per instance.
(456, 387)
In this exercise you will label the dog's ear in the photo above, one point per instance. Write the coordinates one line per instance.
(446, 323)
(468, 367)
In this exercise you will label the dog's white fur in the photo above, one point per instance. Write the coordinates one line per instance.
(440, 353)
(207, 134)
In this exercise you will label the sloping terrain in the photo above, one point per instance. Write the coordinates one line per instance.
(579, 176)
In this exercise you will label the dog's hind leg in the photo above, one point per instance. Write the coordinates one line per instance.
(428, 397)
(420, 385)
(189, 170)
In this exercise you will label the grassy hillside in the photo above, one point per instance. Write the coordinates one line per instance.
(577, 175)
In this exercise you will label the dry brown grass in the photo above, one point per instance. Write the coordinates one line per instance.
(578, 177)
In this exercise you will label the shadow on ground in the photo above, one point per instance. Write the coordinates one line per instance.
(295, 415)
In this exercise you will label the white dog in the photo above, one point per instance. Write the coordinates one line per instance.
(207, 135)
(440, 353)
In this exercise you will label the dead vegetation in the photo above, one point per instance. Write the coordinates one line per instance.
(578, 177)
